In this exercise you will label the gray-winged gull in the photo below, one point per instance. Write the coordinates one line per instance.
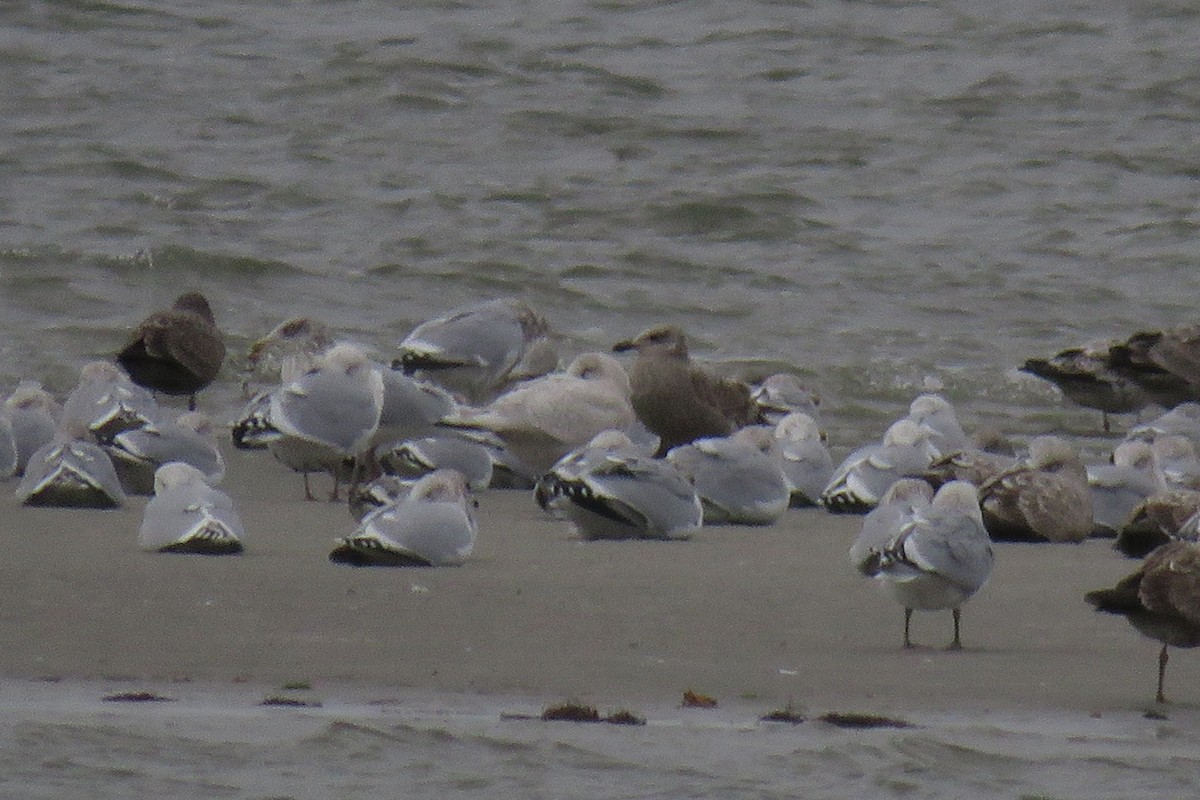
(678, 400)
(413, 458)
(935, 414)
(930, 555)
(1118, 487)
(863, 476)
(433, 525)
(329, 416)
(806, 461)
(187, 515)
(1161, 600)
(478, 349)
(70, 473)
(137, 454)
(33, 414)
(177, 351)
(550, 488)
(781, 394)
(738, 477)
(1182, 420)
(543, 419)
(105, 402)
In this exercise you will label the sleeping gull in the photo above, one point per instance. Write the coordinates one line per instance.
(187, 515)
(1045, 498)
(934, 413)
(477, 350)
(137, 454)
(106, 402)
(70, 473)
(413, 458)
(781, 394)
(738, 477)
(805, 459)
(1119, 487)
(543, 419)
(1182, 420)
(1165, 516)
(628, 495)
(929, 554)
(863, 476)
(384, 490)
(328, 416)
(433, 525)
(677, 400)
(177, 351)
(1161, 600)
(291, 349)
(33, 414)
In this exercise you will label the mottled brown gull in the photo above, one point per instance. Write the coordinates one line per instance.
(1161, 600)
(177, 351)
(680, 401)
(1045, 498)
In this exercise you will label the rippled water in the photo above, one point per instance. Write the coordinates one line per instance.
(881, 195)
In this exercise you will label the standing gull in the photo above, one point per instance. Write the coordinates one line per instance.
(678, 400)
(1161, 600)
(477, 350)
(1086, 377)
(432, 526)
(328, 416)
(543, 419)
(930, 555)
(177, 351)
(187, 515)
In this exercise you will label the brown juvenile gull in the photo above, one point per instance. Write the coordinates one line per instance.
(1045, 498)
(678, 400)
(1085, 375)
(291, 349)
(177, 351)
(1161, 599)
(1160, 518)
(929, 554)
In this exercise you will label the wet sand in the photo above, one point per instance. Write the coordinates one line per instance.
(749, 616)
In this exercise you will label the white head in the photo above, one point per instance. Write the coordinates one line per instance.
(175, 474)
(798, 427)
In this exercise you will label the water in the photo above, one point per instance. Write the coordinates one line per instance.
(882, 196)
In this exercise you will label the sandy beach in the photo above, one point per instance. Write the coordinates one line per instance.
(770, 614)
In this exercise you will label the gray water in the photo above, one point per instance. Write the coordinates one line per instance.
(882, 196)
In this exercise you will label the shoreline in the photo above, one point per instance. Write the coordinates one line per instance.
(756, 616)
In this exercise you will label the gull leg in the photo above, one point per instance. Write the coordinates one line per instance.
(957, 643)
(1162, 671)
(308, 495)
(907, 619)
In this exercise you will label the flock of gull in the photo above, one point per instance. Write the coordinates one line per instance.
(652, 447)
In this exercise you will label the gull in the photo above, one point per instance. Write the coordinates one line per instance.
(291, 349)
(1119, 487)
(805, 459)
(106, 402)
(33, 414)
(177, 351)
(678, 400)
(328, 416)
(1182, 420)
(1044, 498)
(138, 453)
(1085, 375)
(187, 515)
(1176, 465)
(929, 554)
(433, 525)
(781, 394)
(413, 458)
(70, 472)
(384, 490)
(863, 476)
(550, 489)
(1166, 515)
(543, 419)
(1161, 600)
(628, 495)
(934, 413)
(477, 350)
(738, 477)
